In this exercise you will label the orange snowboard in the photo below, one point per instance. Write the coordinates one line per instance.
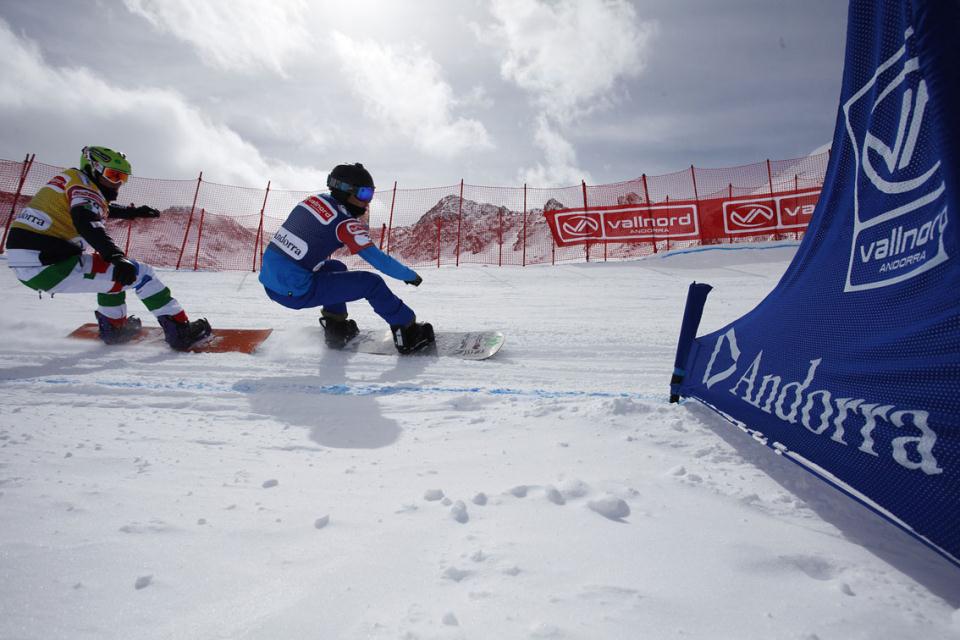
(223, 340)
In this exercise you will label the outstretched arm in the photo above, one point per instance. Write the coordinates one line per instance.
(388, 266)
(130, 211)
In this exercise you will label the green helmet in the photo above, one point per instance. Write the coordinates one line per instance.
(105, 164)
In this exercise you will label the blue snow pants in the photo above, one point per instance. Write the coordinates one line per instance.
(333, 286)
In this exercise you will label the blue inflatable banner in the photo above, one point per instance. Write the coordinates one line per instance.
(851, 365)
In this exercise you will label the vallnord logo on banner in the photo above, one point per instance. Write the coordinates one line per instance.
(580, 226)
(750, 215)
(626, 224)
(899, 208)
(845, 420)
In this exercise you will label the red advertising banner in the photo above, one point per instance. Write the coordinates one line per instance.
(624, 223)
(766, 215)
(707, 220)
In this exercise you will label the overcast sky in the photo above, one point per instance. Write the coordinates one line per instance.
(426, 92)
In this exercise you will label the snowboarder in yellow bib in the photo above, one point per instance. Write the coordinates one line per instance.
(45, 248)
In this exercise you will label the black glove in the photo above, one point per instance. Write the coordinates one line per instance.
(124, 271)
(416, 281)
(143, 211)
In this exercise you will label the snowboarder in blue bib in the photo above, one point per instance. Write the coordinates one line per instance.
(298, 273)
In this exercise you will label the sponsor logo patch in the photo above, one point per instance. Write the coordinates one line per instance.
(290, 243)
(58, 183)
(320, 209)
(35, 219)
(354, 235)
(80, 196)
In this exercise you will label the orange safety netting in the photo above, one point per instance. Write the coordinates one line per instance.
(214, 227)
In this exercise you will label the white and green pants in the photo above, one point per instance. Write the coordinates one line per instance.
(90, 273)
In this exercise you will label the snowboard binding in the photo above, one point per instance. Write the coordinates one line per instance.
(183, 335)
(412, 337)
(337, 329)
(119, 332)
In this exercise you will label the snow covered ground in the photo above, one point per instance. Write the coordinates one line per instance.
(551, 492)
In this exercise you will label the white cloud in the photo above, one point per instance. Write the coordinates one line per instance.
(404, 90)
(561, 168)
(162, 133)
(238, 35)
(568, 55)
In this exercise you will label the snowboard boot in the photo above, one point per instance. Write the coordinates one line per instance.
(117, 331)
(183, 334)
(337, 329)
(412, 337)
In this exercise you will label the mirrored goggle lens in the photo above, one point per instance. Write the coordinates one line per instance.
(115, 175)
(364, 194)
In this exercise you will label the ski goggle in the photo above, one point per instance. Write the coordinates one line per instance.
(363, 194)
(115, 176)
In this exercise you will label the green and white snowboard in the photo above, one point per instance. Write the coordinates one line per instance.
(468, 345)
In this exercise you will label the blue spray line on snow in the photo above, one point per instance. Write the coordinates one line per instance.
(247, 388)
(680, 252)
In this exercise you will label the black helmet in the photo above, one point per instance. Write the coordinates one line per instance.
(351, 180)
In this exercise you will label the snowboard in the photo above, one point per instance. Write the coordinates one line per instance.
(467, 345)
(222, 340)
